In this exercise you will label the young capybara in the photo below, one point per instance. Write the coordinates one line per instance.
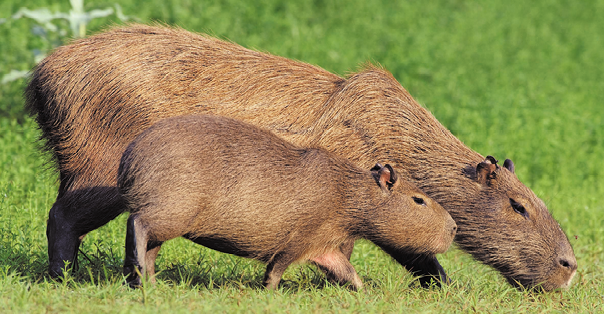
(238, 189)
(94, 96)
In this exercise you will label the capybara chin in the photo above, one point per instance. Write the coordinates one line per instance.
(92, 97)
(238, 189)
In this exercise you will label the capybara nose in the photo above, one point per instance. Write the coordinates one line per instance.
(452, 226)
(569, 269)
(570, 264)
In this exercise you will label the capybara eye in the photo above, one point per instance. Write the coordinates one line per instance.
(419, 200)
(518, 208)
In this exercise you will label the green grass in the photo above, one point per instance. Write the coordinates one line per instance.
(515, 79)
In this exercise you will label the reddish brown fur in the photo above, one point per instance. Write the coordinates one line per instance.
(236, 188)
(92, 97)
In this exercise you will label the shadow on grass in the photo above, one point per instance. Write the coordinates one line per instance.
(103, 266)
(228, 271)
(20, 255)
(101, 263)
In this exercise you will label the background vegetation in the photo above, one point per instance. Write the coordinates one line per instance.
(513, 79)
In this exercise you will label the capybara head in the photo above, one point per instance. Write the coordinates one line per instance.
(402, 212)
(529, 248)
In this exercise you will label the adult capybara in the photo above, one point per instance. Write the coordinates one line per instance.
(94, 96)
(238, 189)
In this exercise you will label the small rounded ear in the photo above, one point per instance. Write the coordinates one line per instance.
(375, 172)
(393, 177)
(485, 171)
(509, 165)
(377, 167)
(384, 176)
(492, 159)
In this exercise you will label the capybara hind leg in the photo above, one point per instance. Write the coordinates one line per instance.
(152, 251)
(136, 251)
(347, 248)
(73, 215)
(63, 240)
(338, 269)
(275, 269)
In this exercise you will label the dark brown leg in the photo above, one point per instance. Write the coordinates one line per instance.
(136, 252)
(426, 267)
(72, 216)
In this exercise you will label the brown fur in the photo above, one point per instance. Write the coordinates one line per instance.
(233, 187)
(92, 97)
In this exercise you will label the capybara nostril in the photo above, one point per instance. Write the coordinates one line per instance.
(567, 263)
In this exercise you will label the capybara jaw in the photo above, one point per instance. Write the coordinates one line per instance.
(567, 284)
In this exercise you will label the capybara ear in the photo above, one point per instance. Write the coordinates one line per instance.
(509, 165)
(384, 176)
(492, 159)
(393, 176)
(377, 167)
(375, 172)
(485, 171)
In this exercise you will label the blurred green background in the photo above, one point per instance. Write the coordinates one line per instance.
(514, 79)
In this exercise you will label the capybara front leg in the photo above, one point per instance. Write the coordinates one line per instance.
(275, 269)
(338, 269)
(347, 248)
(427, 268)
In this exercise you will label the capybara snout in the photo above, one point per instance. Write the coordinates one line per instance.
(239, 189)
